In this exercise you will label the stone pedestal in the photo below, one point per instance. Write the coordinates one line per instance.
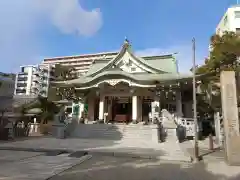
(230, 117)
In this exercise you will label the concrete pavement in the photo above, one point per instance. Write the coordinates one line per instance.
(19, 165)
(108, 168)
(164, 151)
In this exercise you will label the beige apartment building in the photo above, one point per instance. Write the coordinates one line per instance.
(80, 62)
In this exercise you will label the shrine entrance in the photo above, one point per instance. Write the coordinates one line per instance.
(121, 109)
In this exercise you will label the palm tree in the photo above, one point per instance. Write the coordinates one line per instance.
(47, 111)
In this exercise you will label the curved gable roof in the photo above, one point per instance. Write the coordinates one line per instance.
(126, 48)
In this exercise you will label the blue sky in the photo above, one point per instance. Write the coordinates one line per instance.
(31, 30)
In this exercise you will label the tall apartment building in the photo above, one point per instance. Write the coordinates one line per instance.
(230, 21)
(34, 80)
(81, 62)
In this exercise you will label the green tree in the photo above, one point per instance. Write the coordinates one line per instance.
(58, 91)
(224, 55)
(47, 109)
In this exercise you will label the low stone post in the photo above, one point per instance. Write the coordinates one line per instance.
(211, 145)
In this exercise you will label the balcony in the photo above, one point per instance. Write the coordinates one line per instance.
(22, 78)
(21, 87)
(22, 83)
(22, 74)
(20, 91)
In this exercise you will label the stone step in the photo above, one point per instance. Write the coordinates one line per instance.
(122, 132)
(145, 136)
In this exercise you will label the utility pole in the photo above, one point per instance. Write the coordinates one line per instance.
(196, 148)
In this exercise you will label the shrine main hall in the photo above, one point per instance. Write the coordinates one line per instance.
(130, 88)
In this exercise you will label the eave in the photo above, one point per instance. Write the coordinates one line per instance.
(140, 79)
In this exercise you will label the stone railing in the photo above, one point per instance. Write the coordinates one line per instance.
(22, 131)
(34, 128)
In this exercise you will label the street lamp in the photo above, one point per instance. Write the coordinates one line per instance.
(196, 148)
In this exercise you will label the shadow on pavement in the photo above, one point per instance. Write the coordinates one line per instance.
(98, 131)
(102, 168)
(52, 144)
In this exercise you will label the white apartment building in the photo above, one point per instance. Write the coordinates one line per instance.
(230, 21)
(80, 62)
(34, 80)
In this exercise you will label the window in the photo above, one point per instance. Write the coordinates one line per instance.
(237, 14)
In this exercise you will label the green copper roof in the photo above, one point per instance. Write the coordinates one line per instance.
(96, 66)
(118, 74)
(155, 64)
(154, 70)
(166, 63)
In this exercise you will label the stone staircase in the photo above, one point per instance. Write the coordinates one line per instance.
(118, 132)
(134, 138)
(173, 149)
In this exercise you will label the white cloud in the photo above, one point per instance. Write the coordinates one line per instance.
(69, 16)
(183, 56)
(21, 23)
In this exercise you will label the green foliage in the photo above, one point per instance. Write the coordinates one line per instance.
(57, 91)
(224, 54)
(63, 73)
(48, 108)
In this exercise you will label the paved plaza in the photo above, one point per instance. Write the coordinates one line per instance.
(108, 168)
(47, 157)
(165, 151)
(20, 165)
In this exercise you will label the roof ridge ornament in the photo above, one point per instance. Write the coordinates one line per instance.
(126, 42)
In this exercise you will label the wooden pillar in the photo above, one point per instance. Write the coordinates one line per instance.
(134, 108)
